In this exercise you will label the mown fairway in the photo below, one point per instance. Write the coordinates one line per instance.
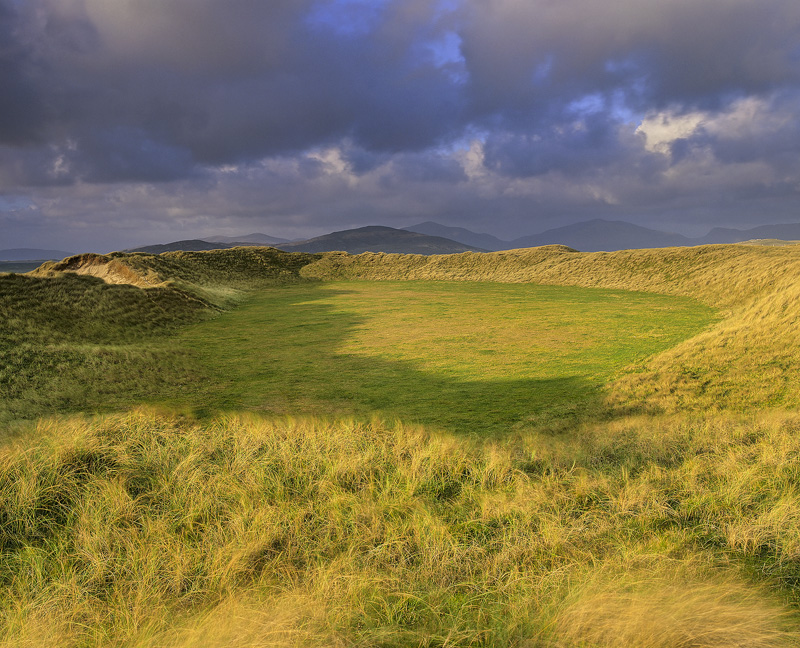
(468, 357)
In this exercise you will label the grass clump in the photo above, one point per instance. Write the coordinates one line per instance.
(74, 342)
(661, 604)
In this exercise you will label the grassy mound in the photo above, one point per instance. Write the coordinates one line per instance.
(92, 332)
(73, 342)
(217, 277)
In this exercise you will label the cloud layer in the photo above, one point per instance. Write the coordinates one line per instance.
(144, 120)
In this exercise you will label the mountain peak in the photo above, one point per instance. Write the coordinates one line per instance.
(379, 238)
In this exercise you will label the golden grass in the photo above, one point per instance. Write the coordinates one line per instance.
(747, 359)
(662, 604)
(152, 530)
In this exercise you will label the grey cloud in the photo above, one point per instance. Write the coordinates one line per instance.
(33, 166)
(210, 108)
(362, 161)
(235, 81)
(21, 109)
(526, 59)
(769, 134)
(572, 148)
(129, 154)
(429, 168)
(212, 82)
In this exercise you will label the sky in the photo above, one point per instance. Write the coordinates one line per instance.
(132, 122)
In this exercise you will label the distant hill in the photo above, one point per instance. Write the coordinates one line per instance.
(33, 254)
(253, 239)
(587, 236)
(189, 245)
(785, 232)
(599, 234)
(460, 235)
(376, 238)
(434, 238)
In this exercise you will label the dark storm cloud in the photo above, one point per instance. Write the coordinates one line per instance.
(130, 154)
(571, 148)
(768, 132)
(212, 82)
(326, 113)
(428, 168)
(531, 63)
(525, 58)
(232, 81)
(21, 112)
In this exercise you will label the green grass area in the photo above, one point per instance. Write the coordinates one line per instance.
(402, 463)
(75, 343)
(462, 356)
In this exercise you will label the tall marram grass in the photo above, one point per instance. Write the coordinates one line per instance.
(153, 530)
(148, 529)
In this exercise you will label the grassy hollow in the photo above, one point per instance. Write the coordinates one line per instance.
(532, 448)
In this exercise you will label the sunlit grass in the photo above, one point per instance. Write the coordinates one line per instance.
(135, 528)
(465, 356)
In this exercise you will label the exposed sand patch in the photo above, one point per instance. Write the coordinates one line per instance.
(110, 270)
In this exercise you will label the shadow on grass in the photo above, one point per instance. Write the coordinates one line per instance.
(282, 356)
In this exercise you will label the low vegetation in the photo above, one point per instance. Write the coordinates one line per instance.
(348, 533)
(528, 448)
(444, 354)
(74, 342)
(746, 360)
(99, 339)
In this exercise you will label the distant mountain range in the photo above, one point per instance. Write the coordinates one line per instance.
(461, 235)
(33, 254)
(599, 234)
(434, 238)
(588, 236)
(785, 232)
(373, 238)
